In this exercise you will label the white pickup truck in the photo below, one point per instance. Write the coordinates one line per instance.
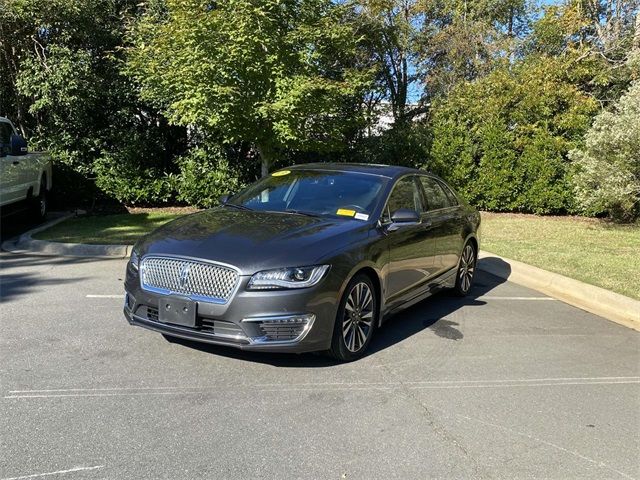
(25, 177)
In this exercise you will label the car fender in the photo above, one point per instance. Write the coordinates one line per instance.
(45, 170)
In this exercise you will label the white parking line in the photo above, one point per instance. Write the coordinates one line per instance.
(58, 472)
(489, 297)
(319, 388)
(324, 384)
(359, 386)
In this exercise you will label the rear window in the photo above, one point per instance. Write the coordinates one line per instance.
(434, 194)
(453, 200)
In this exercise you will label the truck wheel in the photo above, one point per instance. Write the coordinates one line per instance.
(39, 204)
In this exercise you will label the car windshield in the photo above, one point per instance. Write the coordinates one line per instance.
(314, 192)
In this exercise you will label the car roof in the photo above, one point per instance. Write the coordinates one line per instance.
(390, 171)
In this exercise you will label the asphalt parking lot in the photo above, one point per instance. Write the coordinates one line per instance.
(504, 384)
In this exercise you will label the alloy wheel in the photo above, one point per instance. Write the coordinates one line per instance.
(357, 321)
(467, 267)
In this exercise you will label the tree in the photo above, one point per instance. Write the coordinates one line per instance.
(275, 73)
(607, 177)
(461, 40)
(594, 39)
(392, 26)
(65, 88)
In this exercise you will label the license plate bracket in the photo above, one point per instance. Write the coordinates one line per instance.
(177, 311)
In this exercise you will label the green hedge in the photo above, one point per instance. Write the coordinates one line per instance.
(199, 178)
(503, 140)
(205, 175)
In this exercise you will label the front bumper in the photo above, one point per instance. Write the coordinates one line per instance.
(244, 321)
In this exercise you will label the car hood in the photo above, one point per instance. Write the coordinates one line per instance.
(252, 240)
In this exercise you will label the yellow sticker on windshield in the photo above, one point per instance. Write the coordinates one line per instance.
(346, 212)
(281, 173)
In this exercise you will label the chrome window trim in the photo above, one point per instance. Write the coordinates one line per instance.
(196, 298)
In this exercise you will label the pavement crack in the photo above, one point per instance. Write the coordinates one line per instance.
(390, 378)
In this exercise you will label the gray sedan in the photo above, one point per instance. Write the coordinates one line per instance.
(311, 258)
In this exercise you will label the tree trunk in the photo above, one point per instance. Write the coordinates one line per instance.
(265, 160)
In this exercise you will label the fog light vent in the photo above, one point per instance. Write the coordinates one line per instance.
(152, 314)
(289, 328)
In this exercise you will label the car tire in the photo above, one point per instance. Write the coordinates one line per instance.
(356, 320)
(466, 270)
(39, 204)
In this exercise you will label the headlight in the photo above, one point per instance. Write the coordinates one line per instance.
(134, 261)
(291, 277)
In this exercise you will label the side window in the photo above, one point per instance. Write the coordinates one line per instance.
(453, 201)
(434, 194)
(404, 195)
(5, 138)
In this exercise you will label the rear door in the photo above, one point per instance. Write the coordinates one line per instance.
(412, 248)
(445, 214)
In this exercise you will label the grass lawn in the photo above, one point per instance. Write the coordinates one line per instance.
(590, 250)
(123, 229)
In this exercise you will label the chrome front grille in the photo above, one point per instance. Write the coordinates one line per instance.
(198, 280)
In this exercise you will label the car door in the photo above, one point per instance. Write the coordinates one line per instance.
(445, 214)
(9, 172)
(412, 248)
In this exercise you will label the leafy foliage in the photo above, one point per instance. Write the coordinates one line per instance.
(503, 140)
(69, 95)
(205, 175)
(404, 144)
(607, 178)
(273, 73)
(463, 40)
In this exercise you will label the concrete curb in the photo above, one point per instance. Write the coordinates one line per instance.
(607, 304)
(25, 244)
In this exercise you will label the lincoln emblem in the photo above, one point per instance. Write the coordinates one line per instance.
(184, 275)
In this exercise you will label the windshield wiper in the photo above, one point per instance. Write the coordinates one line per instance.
(300, 212)
(236, 205)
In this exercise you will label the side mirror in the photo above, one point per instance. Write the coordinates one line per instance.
(403, 217)
(225, 198)
(18, 145)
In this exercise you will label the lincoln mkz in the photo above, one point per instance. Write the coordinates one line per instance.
(311, 258)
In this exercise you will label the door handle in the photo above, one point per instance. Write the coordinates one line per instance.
(15, 162)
